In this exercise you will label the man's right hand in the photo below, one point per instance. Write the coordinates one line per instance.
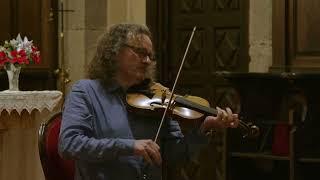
(149, 150)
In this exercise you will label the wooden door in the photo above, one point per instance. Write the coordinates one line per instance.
(37, 20)
(296, 39)
(219, 44)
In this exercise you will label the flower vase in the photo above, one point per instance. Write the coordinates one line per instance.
(13, 72)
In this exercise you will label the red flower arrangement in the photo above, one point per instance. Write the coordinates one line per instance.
(19, 52)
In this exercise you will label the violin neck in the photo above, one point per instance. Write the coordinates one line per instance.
(249, 130)
(195, 106)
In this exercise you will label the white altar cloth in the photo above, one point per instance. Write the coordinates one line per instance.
(21, 113)
(29, 100)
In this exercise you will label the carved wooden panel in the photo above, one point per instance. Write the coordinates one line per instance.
(195, 63)
(195, 57)
(227, 4)
(191, 6)
(220, 41)
(227, 46)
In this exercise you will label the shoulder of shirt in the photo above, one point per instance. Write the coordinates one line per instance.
(86, 83)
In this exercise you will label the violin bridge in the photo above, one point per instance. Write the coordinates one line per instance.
(163, 96)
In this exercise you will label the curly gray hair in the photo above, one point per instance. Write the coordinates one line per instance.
(103, 65)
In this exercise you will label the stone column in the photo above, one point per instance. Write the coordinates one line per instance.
(260, 35)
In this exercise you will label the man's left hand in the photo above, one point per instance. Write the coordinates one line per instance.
(224, 119)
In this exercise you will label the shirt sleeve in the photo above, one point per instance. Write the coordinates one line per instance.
(77, 140)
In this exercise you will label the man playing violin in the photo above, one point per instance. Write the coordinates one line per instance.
(107, 141)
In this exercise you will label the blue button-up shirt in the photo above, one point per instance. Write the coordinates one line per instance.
(98, 132)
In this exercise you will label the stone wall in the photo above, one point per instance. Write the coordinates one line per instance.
(260, 35)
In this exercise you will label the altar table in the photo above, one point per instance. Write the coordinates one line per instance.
(21, 113)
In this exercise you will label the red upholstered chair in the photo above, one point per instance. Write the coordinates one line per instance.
(54, 167)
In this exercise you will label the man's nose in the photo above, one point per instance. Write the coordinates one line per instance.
(146, 59)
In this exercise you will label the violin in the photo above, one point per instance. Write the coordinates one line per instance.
(188, 110)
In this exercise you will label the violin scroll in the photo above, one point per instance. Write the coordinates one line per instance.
(249, 130)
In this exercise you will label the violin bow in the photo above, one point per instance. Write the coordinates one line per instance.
(174, 84)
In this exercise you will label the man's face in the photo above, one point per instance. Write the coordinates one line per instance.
(134, 59)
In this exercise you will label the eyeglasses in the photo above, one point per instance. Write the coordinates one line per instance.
(141, 52)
